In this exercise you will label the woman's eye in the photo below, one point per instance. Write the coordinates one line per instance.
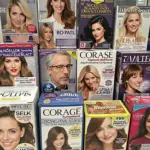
(100, 129)
(7, 61)
(17, 60)
(22, 14)
(1, 131)
(12, 131)
(14, 13)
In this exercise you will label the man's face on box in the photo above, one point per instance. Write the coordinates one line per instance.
(60, 76)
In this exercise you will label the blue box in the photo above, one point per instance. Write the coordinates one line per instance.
(61, 117)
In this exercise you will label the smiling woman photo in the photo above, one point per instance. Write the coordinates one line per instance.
(88, 81)
(60, 13)
(132, 78)
(12, 67)
(57, 139)
(101, 135)
(12, 132)
(46, 36)
(18, 18)
(131, 26)
(98, 32)
(143, 134)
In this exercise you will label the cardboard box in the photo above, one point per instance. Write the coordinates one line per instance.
(106, 124)
(18, 117)
(61, 116)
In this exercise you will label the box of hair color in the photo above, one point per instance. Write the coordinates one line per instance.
(106, 125)
(61, 117)
(19, 65)
(131, 28)
(63, 25)
(139, 127)
(19, 21)
(138, 98)
(58, 70)
(18, 117)
(96, 24)
(95, 73)
(132, 73)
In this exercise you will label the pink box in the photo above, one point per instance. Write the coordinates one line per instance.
(139, 135)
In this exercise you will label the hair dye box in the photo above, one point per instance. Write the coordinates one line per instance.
(132, 73)
(18, 117)
(95, 15)
(1, 37)
(124, 2)
(61, 116)
(58, 70)
(21, 26)
(95, 73)
(19, 65)
(131, 28)
(106, 122)
(139, 127)
(64, 32)
(141, 3)
(132, 99)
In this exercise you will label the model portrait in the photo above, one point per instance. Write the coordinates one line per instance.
(132, 78)
(131, 27)
(57, 139)
(143, 134)
(98, 32)
(12, 132)
(88, 81)
(18, 17)
(59, 12)
(59, 68)
(101, 135)
(90, 109)
(46, 36)
(12, 67)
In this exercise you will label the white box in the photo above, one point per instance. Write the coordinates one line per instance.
(95, 73)
(18, 116)
(131, 28)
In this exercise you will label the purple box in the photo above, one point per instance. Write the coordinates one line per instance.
(58, 70)
(95, 15)
(132, 73)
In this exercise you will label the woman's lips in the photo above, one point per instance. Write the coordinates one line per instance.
(107, 138)
(13, 70)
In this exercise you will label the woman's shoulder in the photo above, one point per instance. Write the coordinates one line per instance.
(50, 19)
(140, 140)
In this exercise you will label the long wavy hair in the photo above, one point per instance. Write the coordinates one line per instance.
(41, 32)
(68, 16)
(4, 75)
(87, 69)
(142, 131)
(22, 4)
(87, 33)
(93, 143)
(123, 28)
(28, 136)
(52, 135)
